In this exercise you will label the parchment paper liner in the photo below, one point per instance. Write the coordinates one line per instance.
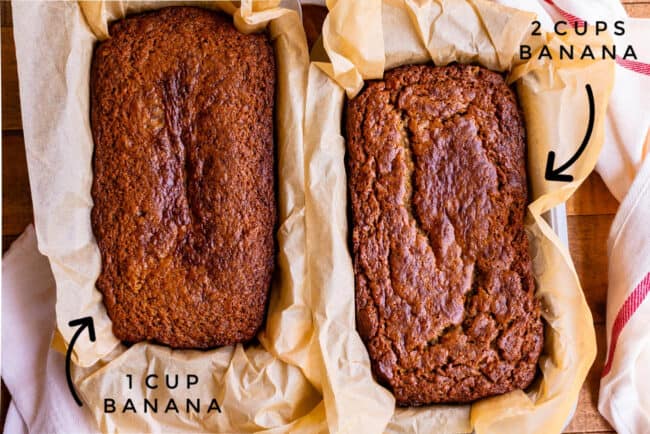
(279, 385)
(362, 40)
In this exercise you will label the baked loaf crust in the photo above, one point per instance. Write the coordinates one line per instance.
(184, 203)
(437, 180)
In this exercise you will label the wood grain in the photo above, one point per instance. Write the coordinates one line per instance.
(313, 17)
(592, 198)
(16, 197)
(6, 51)
(588, 247)
(5, 399)
(5, 14)
(10, 96)
(586, 418)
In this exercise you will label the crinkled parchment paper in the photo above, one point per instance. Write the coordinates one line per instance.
(277, 385)
(362, 40)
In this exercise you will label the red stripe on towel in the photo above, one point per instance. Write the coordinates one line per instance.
(630, 306)
(632, 65)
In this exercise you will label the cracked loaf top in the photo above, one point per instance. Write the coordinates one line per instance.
(444, 291)
(183, 189)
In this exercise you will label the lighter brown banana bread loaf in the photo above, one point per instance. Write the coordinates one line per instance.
(183, 189)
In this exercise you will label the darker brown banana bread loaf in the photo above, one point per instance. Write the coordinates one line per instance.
(184, 203)
(444, 291)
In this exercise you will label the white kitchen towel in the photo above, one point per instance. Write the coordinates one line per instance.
(624, 398)
(33, 372)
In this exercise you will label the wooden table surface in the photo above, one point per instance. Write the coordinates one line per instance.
(590, 214)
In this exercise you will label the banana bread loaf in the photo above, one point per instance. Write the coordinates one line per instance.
(444, 291)
(183, 189)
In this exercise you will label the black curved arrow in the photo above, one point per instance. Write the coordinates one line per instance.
(84, 322)
(556, 174)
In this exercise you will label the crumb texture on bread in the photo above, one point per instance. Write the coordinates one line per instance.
(444, 288)
(184, 204)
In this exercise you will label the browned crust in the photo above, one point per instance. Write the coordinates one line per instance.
(183, 189)
(444, 289)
